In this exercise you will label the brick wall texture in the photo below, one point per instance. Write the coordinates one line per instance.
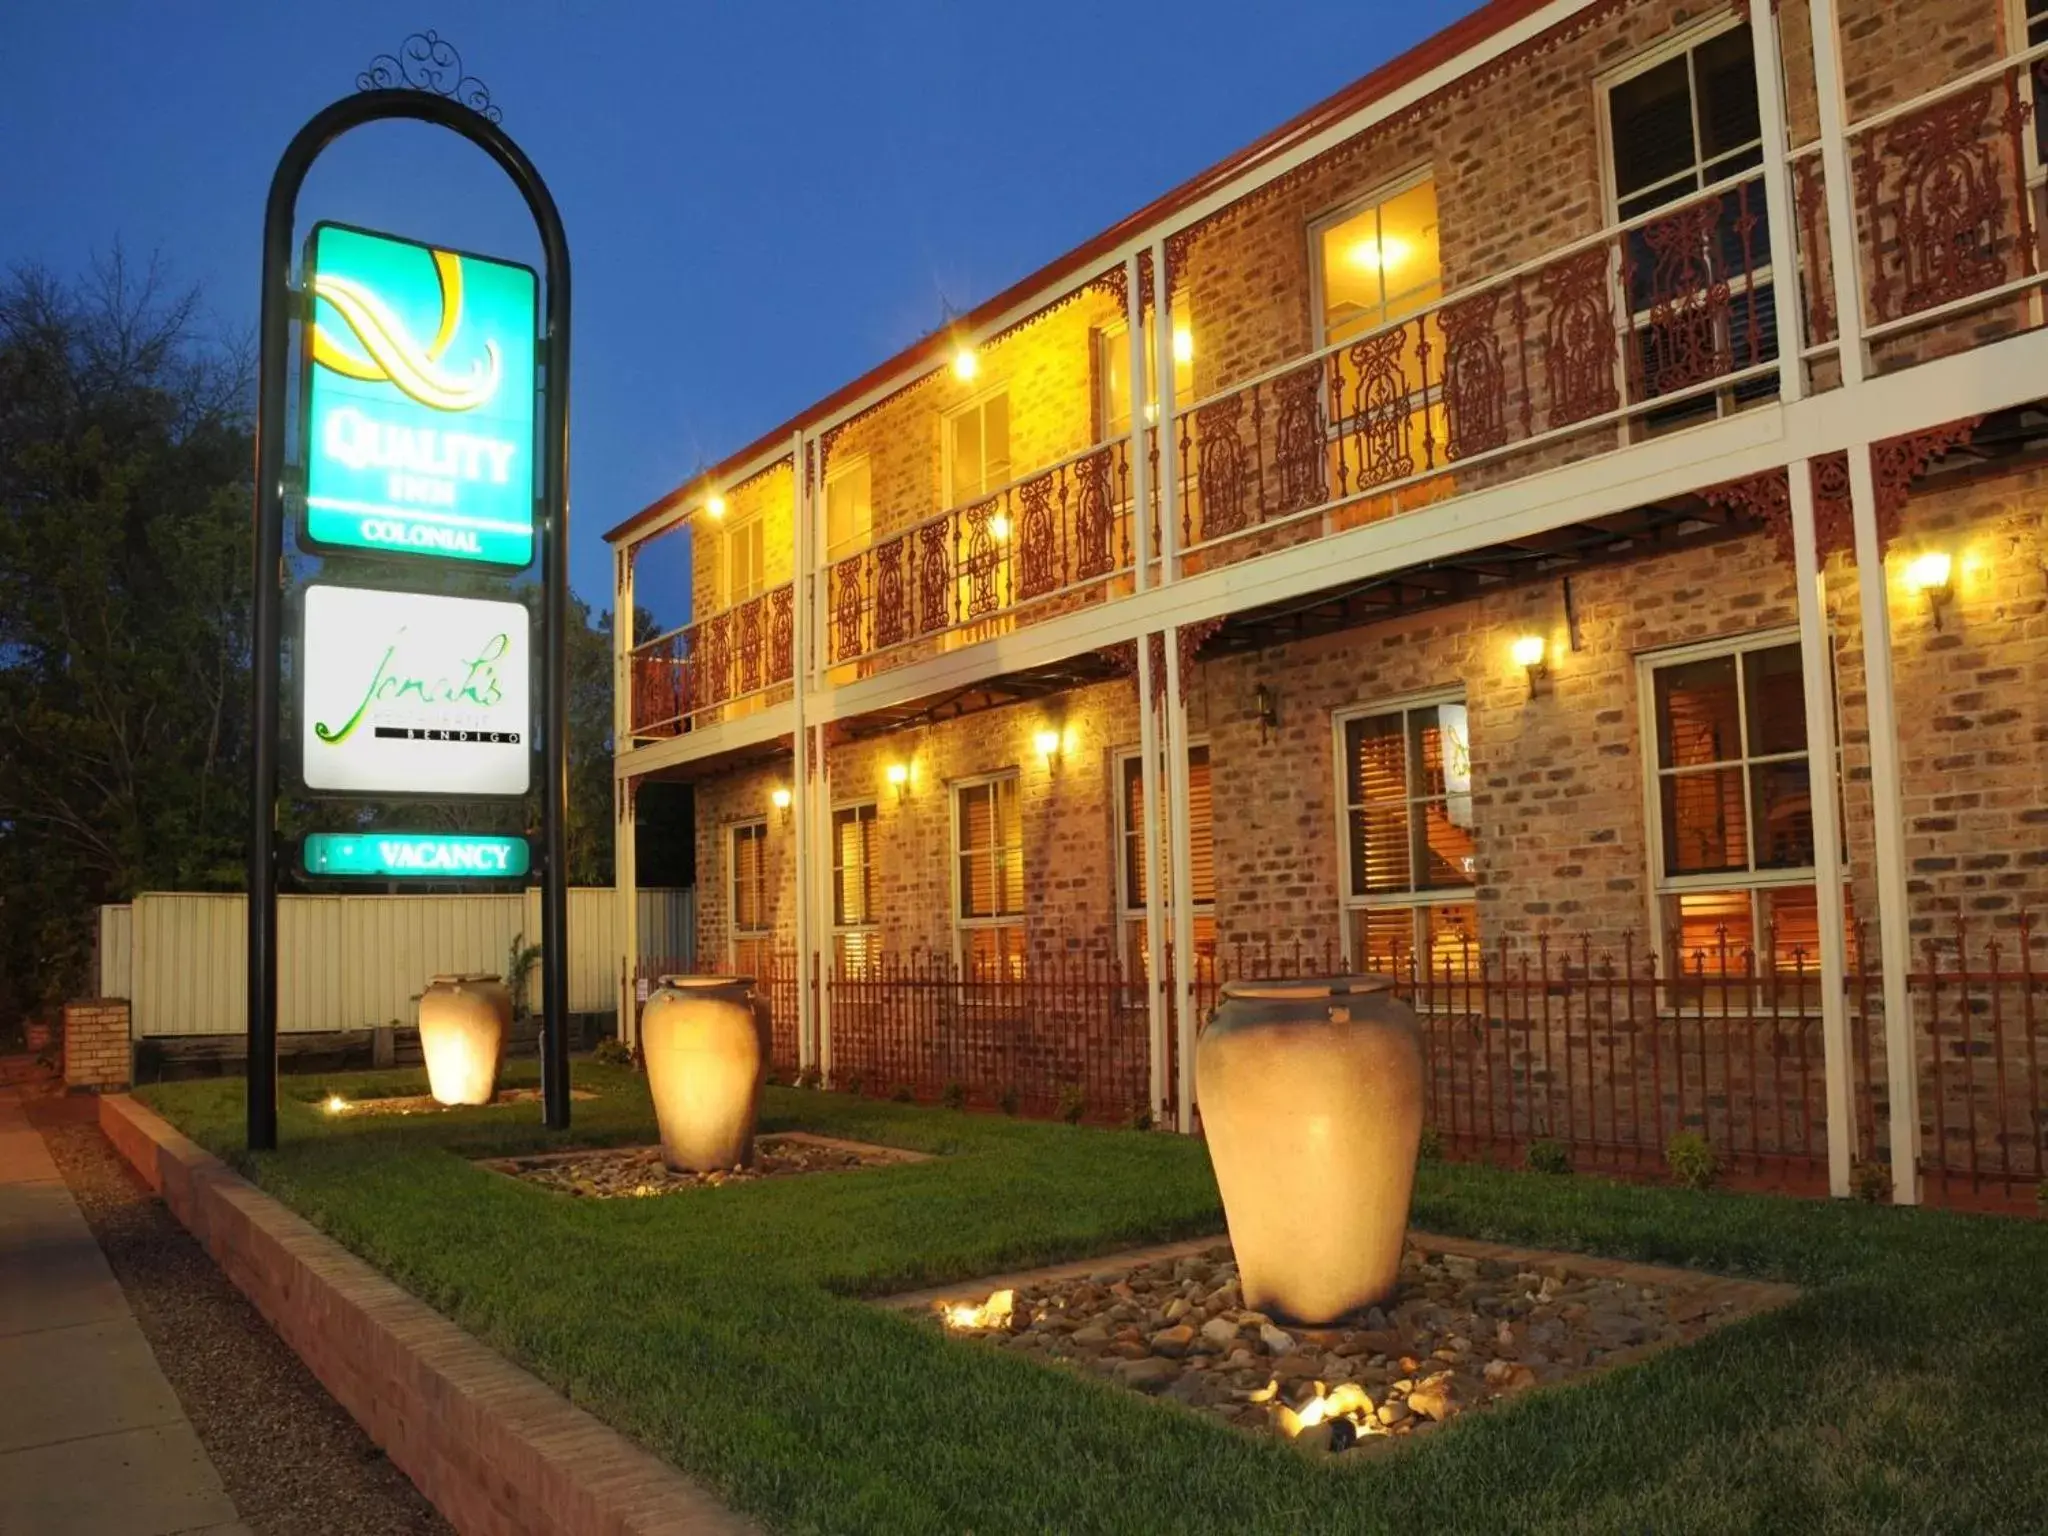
(97, 1052)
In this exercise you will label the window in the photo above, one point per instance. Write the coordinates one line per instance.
(1676, 124)
(855, 938)
(978, 449)
(849, 508)
(2029, 26)
(742, 564)
(748, 874)
(1732, 811)
(1113, 377)
(988, 894)
(1133, 865)
(1377, 262)
(1409, 854)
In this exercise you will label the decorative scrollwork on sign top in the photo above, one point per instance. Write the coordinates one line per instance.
(428, 62)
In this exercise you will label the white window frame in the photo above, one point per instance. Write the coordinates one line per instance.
(1128, 916)
(1680, 43)
(978, 402)
(841, 469)
(963, 924)
(1410, 900)
(1753, 880)
(735, 934)
(872, 926)
(1385, 192)
(751, 526)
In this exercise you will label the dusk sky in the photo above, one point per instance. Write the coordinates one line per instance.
(763, 201)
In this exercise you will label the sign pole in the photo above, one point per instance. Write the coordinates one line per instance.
(422, 81)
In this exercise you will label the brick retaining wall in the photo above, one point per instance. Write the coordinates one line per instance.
(497, 1451)
(96, 1046)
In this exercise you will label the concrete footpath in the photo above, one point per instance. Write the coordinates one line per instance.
(92, 1439)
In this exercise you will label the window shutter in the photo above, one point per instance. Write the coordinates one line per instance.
(1201, 827)
(1379, 800)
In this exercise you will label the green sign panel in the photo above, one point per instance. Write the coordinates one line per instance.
(413, 856)
(419, 400)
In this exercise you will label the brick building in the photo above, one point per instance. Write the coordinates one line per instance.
(1559, 443)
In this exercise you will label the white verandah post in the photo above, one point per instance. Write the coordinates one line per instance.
(625, 861)
(802, 768)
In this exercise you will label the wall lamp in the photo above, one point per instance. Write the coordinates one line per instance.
(898, 774)
(781, 802)
(714, 505)
(1932, 574)
(1048, 744)
(1532, 656)
(1268, 705)
(965, 364)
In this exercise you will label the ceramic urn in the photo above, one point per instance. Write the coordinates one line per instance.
(463, 1023)
(705, 1040)
(1311, 1100)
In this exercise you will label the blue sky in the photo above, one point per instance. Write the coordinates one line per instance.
(763, 200)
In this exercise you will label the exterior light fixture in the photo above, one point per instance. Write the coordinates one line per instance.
(780, 799)
(1933, 574)
(1528, 652)
(899, 775)
(714, 505)
(999, 527)
(965, 364)
(1048, 744)
(1183, 344)
(336, 1104)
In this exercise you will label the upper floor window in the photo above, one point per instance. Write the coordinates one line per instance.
(849, 507)
(1133, 869)
(1409, 852)
(977, 448)
(1732, 829)
(1113, 376)
(1685, 122)
(748, 897)
(1377, 262)
(855, 939)
(988, 890)
(741, 547)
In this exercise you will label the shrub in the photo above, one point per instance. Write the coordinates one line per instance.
(1871, 1182)
(1009, 1101)
(1072, 1105)
(1549, 1157)
(854, 1086)
(903, 1095)
(954, 1096)
(1432, 1148)
(1140, 1120)
(1691, 1160)
(809, 1077)
(612, 1052)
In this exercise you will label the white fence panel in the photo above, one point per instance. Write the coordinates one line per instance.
(350, 962)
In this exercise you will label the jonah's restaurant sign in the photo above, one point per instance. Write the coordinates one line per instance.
(419, 400)
(406, 693)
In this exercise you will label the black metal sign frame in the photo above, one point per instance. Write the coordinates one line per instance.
(432, 93)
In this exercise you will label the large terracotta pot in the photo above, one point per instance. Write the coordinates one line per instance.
(463, 1023)
(1311, 1099)
(705, 1040)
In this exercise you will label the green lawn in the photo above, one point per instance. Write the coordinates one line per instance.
(1908, 1390)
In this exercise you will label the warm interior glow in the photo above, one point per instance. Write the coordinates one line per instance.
(1381, 255)
(336, 1104)
(1047, 742)
(781, 799)
(993, 1313)
(1183, 344)
(965, 365)
(1528, 651)
(1929, 572)
(999, 527)
(714, 506)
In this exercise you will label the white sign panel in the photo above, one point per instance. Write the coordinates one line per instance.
(409, 694)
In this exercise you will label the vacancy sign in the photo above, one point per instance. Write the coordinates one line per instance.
(411, 694)
(419, 385)
(413, 856)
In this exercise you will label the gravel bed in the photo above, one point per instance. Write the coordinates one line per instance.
(293, 1461)
(1459, 1333)
(638, 1172)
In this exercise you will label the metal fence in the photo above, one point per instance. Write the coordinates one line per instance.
(1608, 1053)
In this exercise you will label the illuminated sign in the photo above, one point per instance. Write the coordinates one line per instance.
(410, 694)
(418, 421)
(413, 855)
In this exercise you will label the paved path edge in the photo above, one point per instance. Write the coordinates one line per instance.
(495, 1449)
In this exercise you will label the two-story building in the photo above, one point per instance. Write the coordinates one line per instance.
(1559, 522)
